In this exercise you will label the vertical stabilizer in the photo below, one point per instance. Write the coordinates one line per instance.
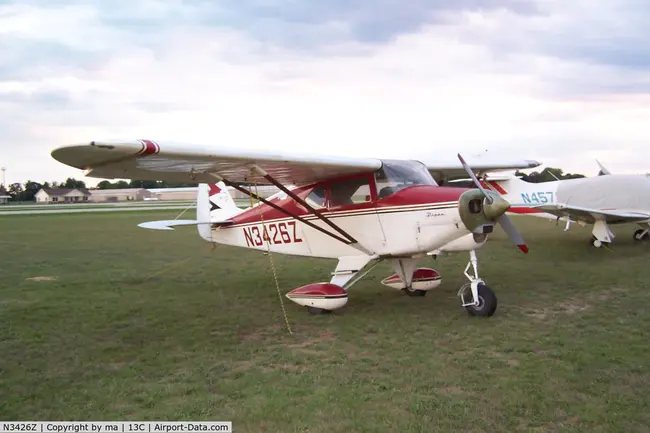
(214, 204)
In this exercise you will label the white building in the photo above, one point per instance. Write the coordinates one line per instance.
(62, 195)
(119, 194)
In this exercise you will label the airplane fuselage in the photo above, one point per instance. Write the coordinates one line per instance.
(624, 193)
(411, 221)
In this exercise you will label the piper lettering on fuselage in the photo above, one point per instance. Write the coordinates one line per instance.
(277, 233)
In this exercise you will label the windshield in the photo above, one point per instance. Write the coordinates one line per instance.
(395, 175)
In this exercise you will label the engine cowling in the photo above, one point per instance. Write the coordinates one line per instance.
(472, 241)
(476, 214)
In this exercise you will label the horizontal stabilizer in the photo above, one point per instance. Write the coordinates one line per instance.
(168, 224)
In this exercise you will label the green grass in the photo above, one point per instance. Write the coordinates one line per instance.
(148, 325)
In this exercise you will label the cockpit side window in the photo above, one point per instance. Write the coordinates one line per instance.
(349, 191)
(396, 175)
(316, 198)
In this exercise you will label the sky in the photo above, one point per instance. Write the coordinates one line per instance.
(560, 81)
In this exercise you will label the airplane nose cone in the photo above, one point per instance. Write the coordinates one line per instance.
(498, 207)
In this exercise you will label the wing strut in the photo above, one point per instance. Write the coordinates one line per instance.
(278, 208)
(305, 204)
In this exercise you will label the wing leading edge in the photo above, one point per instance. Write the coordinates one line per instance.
(153, 160)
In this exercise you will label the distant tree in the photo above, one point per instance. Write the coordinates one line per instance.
(549, 174)
(143, 184)
(15, 191)
(71, 183)
(30, 190)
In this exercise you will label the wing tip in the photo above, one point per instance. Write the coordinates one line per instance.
(523, 247)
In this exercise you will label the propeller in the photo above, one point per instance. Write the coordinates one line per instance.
(495, 210)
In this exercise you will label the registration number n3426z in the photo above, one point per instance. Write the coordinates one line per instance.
(273, 233)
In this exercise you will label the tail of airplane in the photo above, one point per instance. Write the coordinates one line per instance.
(214, 204)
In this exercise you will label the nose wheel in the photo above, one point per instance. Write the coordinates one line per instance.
(476, 297)
(486, 301)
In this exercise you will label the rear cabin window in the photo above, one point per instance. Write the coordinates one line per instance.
(350, 191)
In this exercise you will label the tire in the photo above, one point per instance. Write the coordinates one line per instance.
(487, 302)
(314, 310)
(415, 293)
(639, 238)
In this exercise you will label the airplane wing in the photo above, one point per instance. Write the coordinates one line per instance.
(454, 171)
(152, 160)
(593, 215)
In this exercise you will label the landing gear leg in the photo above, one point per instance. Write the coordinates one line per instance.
(476, 297)
(601, 234)
(405, 268)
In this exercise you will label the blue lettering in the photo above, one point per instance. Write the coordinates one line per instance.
(538, 197)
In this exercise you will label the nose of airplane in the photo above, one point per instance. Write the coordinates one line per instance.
(498, 207)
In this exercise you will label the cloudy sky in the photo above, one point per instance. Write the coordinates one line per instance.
(561, 81)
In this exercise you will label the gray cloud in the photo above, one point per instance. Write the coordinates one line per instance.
(604, 52)
(22, 59)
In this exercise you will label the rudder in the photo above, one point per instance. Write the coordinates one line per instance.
(214, 204)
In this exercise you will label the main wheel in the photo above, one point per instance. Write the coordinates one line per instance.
(412, 293)
(641, 235)
(595, 242)
(487, 302)
(314, 310)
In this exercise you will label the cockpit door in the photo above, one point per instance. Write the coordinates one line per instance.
(351, 205)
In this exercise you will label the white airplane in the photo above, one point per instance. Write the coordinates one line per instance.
(600, 201)
(360, 211)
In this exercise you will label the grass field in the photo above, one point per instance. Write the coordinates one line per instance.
(102, 320)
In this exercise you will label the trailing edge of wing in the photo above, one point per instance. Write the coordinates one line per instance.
(595, 214)
(168, 224)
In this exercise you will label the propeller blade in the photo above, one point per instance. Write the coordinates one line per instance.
(510, 229)
(474, 179)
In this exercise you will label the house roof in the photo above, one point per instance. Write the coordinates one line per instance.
(57, 192)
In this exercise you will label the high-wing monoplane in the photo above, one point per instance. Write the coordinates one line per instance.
(360, 211)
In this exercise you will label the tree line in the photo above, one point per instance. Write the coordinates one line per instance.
(27, 191)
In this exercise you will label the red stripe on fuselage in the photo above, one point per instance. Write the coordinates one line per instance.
(523, 210)
(410, 196)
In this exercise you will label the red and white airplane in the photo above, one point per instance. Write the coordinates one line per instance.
(360, 211)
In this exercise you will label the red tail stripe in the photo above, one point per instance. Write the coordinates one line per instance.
(214, 189)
